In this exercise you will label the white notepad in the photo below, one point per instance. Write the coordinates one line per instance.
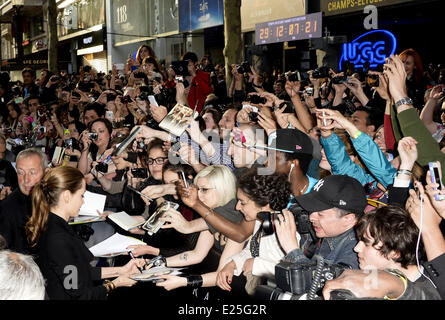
(93, 202)
(113, 246)
(125, 221)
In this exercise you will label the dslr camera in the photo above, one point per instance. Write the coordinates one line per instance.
(294, 280)
(301, 216)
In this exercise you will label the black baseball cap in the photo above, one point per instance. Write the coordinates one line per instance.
(335, 191)
(293, 141)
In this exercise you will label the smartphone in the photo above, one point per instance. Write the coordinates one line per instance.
(436, 177)
(109, 115)
(18, 100)
(153, 101)
(324, 119)
(183, 179)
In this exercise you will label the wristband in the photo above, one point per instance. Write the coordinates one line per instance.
(356, 135)
(256, 86)
(404, 171)
(194, 281)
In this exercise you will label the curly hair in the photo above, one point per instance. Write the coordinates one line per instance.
(271, 189)
(394, 228)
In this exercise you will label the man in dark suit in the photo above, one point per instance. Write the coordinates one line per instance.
(16, 209)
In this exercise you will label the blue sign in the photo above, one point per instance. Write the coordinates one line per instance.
(373, 47)
(200, 14)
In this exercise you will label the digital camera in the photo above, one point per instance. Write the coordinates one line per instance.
(322, 72)
(101, 167)
(256, 99)
(244, 67)
(93, 136)
(139, 173)
(301, 216)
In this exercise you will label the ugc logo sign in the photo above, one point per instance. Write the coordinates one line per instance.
(373, 47)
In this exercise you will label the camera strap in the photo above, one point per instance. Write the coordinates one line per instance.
(312, 247)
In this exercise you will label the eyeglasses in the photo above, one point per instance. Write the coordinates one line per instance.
(204, 190)
(159, 160)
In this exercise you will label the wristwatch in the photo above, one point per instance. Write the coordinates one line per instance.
(404, 100)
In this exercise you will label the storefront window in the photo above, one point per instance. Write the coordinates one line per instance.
(80, 15)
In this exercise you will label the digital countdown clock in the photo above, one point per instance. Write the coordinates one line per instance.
(298, 28)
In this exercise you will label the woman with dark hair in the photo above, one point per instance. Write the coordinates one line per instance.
(151, 68)
(415, 80)
(61, 254)
(144, 51)
(14, 113)
(96, 144)
(132, 203)
(211, 118)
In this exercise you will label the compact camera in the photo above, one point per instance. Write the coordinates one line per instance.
(93, 136)
(244, 67)
(139, 173)
(322, 72)
(101, 167)
(256, 99)
(182, 80)
(253, 116)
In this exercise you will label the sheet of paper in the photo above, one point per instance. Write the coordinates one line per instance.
(93, 202)
(115, 245)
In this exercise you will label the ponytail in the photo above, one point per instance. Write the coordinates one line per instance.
(46, 194)
(40, 212)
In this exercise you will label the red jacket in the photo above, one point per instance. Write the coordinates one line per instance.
(200, 88)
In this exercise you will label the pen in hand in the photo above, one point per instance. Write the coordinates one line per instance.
(132, 257)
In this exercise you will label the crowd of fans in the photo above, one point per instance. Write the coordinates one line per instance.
(353, 149)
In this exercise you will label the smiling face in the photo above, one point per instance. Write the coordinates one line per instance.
(248, 207)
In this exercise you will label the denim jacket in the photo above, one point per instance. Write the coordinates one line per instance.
(339, 249)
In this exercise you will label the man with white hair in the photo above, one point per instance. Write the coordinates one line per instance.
(20, 277)
(16, 209)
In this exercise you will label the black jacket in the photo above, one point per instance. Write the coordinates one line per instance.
(15, 211)
(436, 271)
(64, 261)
